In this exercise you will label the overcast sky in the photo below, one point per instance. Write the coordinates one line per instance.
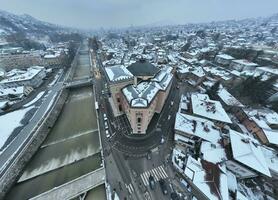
(91, 14)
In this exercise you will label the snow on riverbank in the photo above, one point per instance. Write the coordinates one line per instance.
(9, 122)
(35, 99)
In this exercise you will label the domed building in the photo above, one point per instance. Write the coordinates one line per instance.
(139, 91)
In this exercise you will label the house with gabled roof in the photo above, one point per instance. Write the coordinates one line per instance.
(245, 156)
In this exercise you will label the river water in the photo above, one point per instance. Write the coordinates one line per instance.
(71, 149)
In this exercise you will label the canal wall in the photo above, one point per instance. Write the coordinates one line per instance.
(40, 133)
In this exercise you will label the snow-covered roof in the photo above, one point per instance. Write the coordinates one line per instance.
(225, 56)
(245, 63)
(178, 159)
(203, 106)
(142, 94)
(240, 196)
(12, 90)
(3, 104)
(217, 71)
(271, 135)
(235, 72)
(232, 182)
(228, 99)
(247, 151)
(268, 69)
(213, 153)
(208, 177)
(264, 118)
(49, 56)
(196, 126)
(271, 158)
(118, 73)
(196, 70)
(29, 74)
(183, 103)
(267, 115)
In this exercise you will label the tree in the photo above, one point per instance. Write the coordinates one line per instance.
(274, 106)
(93, 43)
(255, 88)
(213, 91)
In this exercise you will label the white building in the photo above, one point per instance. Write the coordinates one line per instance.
(224, 59)
(242, 64)
(15, 92)
(32, 77)
(190, 127)
(248, 159)
(204, 107)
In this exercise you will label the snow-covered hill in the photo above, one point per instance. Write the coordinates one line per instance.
(26, 26)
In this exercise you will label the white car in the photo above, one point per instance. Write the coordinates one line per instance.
(105, 117)
(106, 125)
(107, 133)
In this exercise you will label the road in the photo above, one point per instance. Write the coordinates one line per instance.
(16, 145)
(125, 158)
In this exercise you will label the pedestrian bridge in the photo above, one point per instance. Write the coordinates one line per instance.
(75, 187)
(80, 83)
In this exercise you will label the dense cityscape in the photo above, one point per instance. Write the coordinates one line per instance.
(145, 112)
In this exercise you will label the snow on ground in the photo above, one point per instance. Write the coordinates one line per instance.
(35, 99)
(2, 31)
(55, 163)
(54, 80)
(9, 122)
(109, 193)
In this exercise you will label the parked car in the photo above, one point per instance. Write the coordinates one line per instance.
(107, 133)
(172, 103)
(163, 186)
(151, 182)
(149, 155)
(104, 117)
(169, 117)
(106, 125)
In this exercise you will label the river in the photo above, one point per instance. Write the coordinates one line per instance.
(71, 149)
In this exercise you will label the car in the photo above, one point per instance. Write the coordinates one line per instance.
(172, 103)
(163, 186)
(169, 117)
(102, 92)
(151, 182)
(107, 133)
(105, 117)
(149, 155)
(106, 125)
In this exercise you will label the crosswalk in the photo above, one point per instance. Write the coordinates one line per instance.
(130, 188)
(158, 173)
